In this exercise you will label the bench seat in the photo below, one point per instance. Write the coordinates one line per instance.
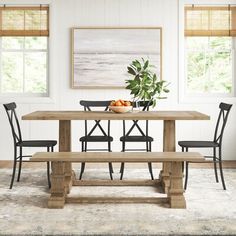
(62, 178)
(137, 157)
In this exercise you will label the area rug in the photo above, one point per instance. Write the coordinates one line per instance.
(210, 209)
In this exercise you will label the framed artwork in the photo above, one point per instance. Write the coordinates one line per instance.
(100, 56)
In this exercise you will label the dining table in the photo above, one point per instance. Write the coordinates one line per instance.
(168, 118)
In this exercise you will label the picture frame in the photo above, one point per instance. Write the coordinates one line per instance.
(100, 55)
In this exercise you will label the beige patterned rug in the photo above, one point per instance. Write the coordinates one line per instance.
(210, 209)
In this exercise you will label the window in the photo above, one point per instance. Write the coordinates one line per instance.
(209, 65)
(24, 65)
(209, 50)
(24, 51)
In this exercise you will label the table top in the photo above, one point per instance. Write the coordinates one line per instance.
(109, 115)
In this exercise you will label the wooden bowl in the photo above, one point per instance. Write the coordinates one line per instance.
(120, 109)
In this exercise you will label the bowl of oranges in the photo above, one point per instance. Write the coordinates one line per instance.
(120, 106)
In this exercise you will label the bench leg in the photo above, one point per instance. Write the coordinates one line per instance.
(168, 146)
(69, 176)
(175, 193)
(58, 191)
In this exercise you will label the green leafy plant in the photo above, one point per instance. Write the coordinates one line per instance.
(145, 85)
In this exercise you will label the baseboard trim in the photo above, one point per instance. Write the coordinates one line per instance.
(228, 164)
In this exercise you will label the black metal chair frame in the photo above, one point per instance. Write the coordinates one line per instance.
(216, 143)
(88, 134)
(19, 143)
(145, 107)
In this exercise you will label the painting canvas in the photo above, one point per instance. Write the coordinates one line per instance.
(100, 56)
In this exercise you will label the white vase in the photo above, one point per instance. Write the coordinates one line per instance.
(135, 106)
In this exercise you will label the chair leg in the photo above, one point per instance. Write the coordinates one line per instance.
(183, 161)
(110, 170)
(20, 165)
(123, 146)
(48, 168)
(150, 146)
(82, 170)
(82, 166)
(82, 146)
(110, 164)
(13, 174)
(215, 166)
(150, 170)
(14, 168)
(122, 167)
(147, 146)
(221, 170)
(48, 174)
(122, 164)
(149, 149)
(183, 167)
(186, 176)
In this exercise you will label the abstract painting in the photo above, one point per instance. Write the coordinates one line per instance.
(100, 56)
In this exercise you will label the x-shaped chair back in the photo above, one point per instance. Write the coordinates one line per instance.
(88, 105)
(14, 122)
(145, 107)
(221, 122)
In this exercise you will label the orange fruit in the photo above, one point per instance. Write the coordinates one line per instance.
(118, 103)
(127, 103)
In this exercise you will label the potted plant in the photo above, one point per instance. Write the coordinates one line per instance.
(145, 85)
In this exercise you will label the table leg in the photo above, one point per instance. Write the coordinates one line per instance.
(168, 146)
(175, 193)
(65, 146)
(58, 193)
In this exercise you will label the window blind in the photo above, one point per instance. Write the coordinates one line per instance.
(210, 20)
(24, 21)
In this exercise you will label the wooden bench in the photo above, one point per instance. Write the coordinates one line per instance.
(61, 178)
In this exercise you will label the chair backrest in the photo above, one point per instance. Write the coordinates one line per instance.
(145, 107)
(13, 120)
(88, 106)
(221, 122)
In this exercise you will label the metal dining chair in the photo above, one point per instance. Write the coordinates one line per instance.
(142, 137)
(216, 143)
(90, 137)
(20, 144)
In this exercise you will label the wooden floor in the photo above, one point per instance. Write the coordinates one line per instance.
(226, 164)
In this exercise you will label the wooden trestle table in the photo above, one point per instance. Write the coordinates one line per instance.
(168, 117)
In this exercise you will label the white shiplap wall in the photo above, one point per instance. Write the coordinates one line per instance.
(65, 14)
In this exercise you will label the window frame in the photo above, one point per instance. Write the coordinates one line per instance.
(201, 97)
(26, 94)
